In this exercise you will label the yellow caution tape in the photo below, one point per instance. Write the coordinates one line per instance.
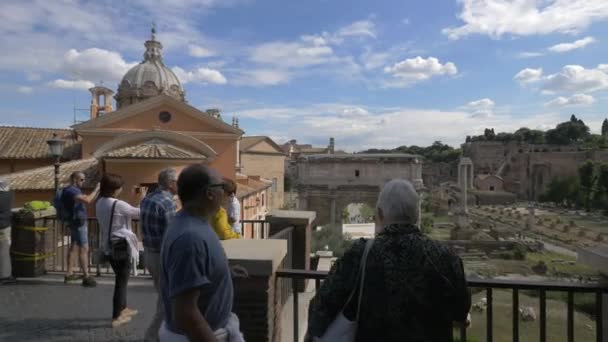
(31, 257)
(34, 229)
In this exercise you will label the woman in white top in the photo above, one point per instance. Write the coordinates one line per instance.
(120, 228)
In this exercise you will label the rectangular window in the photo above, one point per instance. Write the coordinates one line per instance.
(356, 173)
(274, 185)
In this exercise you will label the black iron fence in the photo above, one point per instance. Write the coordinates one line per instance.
(488, 286)
(59, 239)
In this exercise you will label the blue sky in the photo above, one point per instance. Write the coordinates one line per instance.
(370, 74)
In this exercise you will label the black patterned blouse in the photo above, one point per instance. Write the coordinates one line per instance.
(415, 288)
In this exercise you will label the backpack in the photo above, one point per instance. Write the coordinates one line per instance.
(63, 214)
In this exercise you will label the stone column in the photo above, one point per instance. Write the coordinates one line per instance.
(332, 209)
(460, 175)
(471, 177)
(465, 189)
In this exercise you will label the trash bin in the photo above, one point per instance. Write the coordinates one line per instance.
(29, 249)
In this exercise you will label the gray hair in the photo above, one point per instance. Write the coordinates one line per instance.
(398, 201)
(166, 176)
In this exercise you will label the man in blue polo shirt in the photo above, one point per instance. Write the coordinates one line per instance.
(74, 202)
(196, 281)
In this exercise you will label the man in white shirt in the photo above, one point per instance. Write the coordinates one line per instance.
(233, 207)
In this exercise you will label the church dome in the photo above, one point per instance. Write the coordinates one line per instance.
(149, 78)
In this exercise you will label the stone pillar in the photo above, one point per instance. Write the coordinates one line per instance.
(302, 221)
(258, 300)
(471, 176)
(464, 188)
(332, 208)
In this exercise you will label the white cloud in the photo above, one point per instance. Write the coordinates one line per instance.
(375, 60)
(565, 47)
(527, 17)
(482, 108)
(304, 53)
(65, 84)
(528, 54)
(418, 69)
(95, 65)
(362, 28)
(574, 100)
(263, 77)
(288, 59)
(25, 89)
(577, 79)
(200, 75)
(358, 127)
(199, 51)
(528, 75)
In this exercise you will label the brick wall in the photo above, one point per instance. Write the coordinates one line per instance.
(255, 302)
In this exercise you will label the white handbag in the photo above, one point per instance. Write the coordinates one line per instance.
(342, 329)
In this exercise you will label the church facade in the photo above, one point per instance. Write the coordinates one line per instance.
(152, 128)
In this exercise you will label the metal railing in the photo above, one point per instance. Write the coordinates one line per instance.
(488, 286)
(59, 239)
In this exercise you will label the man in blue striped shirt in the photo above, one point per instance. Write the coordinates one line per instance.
(156, 211)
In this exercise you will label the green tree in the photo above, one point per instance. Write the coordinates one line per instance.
(568, 132)
(605, 127)
(564, 191)
(602, 185)
(332, 237)
(587, 179)
(427, 224)
(367, 213)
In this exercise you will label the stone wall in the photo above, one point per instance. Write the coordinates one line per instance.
(271, 167)
(527, 169)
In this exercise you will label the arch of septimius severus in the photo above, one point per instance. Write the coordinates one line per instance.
(328, 183)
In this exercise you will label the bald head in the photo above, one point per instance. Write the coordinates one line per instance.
(200, 188)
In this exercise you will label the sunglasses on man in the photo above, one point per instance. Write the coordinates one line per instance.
(221, 185)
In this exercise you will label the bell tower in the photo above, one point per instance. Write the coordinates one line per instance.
(97, 106)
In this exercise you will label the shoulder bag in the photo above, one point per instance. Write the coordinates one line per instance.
(342, 329)
(119, 246)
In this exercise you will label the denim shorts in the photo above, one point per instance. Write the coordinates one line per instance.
(80, 235)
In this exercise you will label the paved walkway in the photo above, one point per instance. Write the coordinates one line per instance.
(46, 309)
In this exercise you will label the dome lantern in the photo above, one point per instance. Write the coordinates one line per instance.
(149, 78)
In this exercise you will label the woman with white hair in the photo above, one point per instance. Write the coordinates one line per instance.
(401, 286)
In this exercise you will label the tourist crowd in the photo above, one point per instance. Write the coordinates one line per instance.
(400, 286)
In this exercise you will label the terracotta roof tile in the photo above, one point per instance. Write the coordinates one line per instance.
(252, 186)
(43, 178)
(30, 143)
(155, 149)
